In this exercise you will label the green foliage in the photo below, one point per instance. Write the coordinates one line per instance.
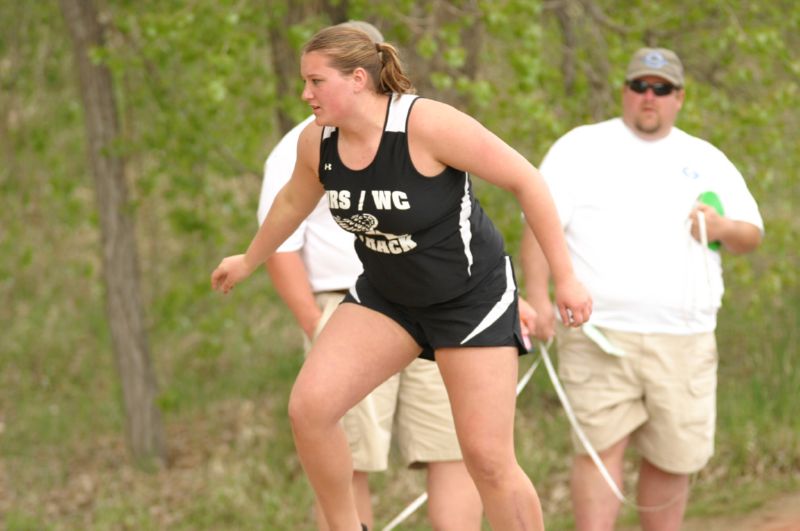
(197, 100)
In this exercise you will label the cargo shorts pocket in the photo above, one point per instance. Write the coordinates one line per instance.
(699, 411)
(574, 374)
(581, 393)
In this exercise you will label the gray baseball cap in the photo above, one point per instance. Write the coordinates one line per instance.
(373, 32)
(656, 62)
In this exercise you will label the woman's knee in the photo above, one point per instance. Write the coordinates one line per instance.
(488, 462)
(307, 408)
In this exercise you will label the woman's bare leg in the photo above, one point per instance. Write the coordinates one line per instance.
(481, 383)
(363, 503)
(356, 351)
(453, 501)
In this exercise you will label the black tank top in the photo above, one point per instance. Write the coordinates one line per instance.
(421, 240)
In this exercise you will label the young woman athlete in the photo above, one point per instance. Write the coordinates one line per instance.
(396, 170)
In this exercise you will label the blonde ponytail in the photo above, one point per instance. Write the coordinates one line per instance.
(349, 48)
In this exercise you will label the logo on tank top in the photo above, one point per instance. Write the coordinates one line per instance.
(365, 225)
(381, 199)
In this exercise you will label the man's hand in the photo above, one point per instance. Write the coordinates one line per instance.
(716, 225)
(573, 302)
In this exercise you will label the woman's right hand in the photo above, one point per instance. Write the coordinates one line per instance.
(230, 272)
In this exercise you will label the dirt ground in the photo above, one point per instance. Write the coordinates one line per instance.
(782, 514)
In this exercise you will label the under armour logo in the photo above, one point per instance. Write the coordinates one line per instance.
(328, 166)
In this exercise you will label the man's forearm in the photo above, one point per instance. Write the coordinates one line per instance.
(290, 278)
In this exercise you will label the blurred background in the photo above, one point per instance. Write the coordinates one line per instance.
(132, 138)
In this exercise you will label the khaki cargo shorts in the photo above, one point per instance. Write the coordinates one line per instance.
(662, 393)
(411, 407)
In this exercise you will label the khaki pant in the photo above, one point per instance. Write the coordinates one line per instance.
(662, 393)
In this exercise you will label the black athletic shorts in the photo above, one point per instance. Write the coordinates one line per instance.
(487, 316)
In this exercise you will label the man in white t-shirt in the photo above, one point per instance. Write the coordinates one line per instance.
(311, 271)
(645, 207)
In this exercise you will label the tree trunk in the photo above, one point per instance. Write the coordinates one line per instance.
(568, 47)
(120, 267)
(285, 57)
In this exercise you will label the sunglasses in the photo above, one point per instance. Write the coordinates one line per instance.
(659, 89)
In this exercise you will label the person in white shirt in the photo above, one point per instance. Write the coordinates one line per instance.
(311, 271)
(639, 200)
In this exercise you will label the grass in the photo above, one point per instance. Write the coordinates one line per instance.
(225, 367)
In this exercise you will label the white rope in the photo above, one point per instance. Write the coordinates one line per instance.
(562, 396)
(601, 341)
(527, 376)
(422, 498)
(408, 511)
(706, 250)
(701, 225)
